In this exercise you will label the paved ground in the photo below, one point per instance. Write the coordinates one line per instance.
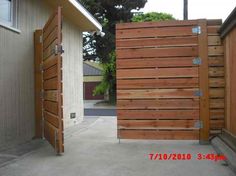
(93, 108)
(95, 151)
(99, 112)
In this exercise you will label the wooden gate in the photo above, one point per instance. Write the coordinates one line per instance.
(162, 80)
(48, 64)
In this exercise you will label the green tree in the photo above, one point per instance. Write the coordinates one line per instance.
(152, 16)
(108, 13)
(109, 79)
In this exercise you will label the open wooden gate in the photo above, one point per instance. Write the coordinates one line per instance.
(162, 80)
(49, 82)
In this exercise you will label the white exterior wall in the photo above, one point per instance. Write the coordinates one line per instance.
(17, 116)
(72, 74)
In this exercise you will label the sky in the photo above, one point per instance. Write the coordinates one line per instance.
(210, 9)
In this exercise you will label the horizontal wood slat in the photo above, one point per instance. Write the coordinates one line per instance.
(52, 37)
(217, 103)
(215, 50)
(50, 133)
(158, 114)
(160, 73)
(153, 32)
(51, 118)
(50, 26)
(213, 30)
(216, 72)
(156, 42)
(50, 50)
(156, 62)
(216, 61)
(51, 61)
(157, 52)
(50, 84)
(217, 113)
(159, 104)
(160, 83)
(214, 41)
(50, 73)
(51, 107)
(168, 23)
(217, 92)
(160, 93)
(156, 124)
(51, 95)
(217, 82)
(217, 124)
(153, 134)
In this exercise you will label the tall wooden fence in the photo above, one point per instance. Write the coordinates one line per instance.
(169, 80)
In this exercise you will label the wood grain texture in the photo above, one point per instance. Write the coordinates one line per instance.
(163, 83)
(203, 77)
(156, 42)
(161, 93)
(156, 24)
(160, 104)
(157, 80)
(160, 114)
(161, 73)
(157, 52)
(153, 134)
(156, 62)
(153, 32)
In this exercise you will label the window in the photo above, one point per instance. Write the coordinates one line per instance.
(8, 13)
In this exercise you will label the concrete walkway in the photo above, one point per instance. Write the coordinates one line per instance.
(95, 151)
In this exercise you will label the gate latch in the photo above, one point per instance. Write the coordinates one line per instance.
(196, 30)
(198, 124)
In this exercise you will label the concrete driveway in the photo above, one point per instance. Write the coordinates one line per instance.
(95, 151)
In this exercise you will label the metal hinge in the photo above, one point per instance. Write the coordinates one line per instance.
(196, 30)
(198, 124)
(58, 49)
(42, 94)
(197, 61)
(41, 39)
(41, 67)
(198, 93)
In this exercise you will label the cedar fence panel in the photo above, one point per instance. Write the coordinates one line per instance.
(159, 80)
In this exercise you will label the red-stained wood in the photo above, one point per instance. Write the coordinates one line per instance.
(157, 42)
(154, 134)
(161, 93)
(169, 23)
(162, 83)
(204, 99)
(187, 51)
(161, 114)
(157, 80)
(158, 73)
(156, 62)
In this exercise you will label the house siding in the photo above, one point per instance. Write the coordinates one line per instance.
(17, 73)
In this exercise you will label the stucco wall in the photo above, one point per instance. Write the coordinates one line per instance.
(17, 73)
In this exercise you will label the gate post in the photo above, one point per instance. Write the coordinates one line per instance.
(203, 81)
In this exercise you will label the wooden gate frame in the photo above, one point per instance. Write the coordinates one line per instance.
(45, 122)
(205, 50)
(203, 82)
